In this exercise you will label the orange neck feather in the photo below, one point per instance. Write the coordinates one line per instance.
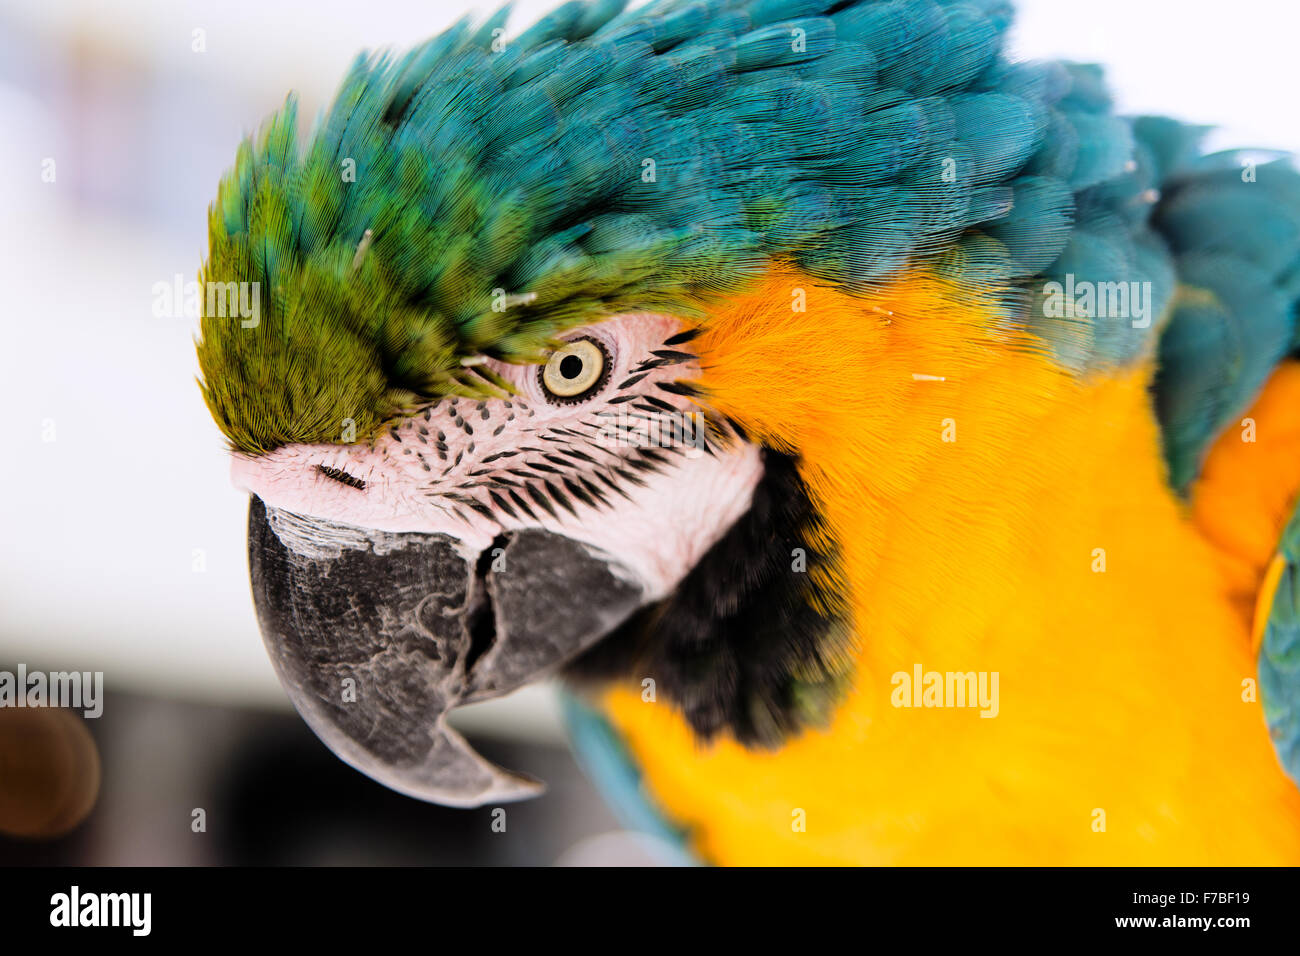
(993, 513)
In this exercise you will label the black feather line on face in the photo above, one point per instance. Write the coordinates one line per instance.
(681, 338)
(741, 647)
(567, 468)
(342, 477)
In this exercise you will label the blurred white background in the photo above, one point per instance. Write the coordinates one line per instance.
(124, 542)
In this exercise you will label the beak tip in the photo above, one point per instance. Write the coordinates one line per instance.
(451, 773)
(511, 787)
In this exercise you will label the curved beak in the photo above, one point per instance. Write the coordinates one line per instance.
(377, 636)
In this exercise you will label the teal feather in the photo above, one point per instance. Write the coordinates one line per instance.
(1236, 239)
(604, 758)
(1279, 656)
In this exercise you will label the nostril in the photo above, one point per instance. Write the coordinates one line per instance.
(342, 477)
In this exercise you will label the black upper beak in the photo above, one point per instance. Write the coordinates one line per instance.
(377, 636)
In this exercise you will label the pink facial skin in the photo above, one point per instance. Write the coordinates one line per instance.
(462, 467)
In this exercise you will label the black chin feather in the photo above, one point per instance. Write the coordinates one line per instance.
(746, 644)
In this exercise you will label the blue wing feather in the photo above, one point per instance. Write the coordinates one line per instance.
(1279, 656)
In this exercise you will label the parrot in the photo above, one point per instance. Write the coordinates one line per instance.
(787, 379)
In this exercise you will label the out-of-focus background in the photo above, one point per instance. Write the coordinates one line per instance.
(124, 546)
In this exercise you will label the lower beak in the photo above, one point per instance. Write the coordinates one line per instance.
(377, 636)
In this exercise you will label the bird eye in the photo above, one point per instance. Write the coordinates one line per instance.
(575, 371)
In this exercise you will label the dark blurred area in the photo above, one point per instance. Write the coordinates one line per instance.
(271, 794)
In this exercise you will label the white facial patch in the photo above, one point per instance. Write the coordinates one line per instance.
(623, 468)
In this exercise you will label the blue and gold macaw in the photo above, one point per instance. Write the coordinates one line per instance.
(894, 449)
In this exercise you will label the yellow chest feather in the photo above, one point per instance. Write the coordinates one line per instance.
(1081, 638)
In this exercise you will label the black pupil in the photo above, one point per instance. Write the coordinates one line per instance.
(570, 366)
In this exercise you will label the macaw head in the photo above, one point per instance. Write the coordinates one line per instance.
(566, 352)
(592, 513)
